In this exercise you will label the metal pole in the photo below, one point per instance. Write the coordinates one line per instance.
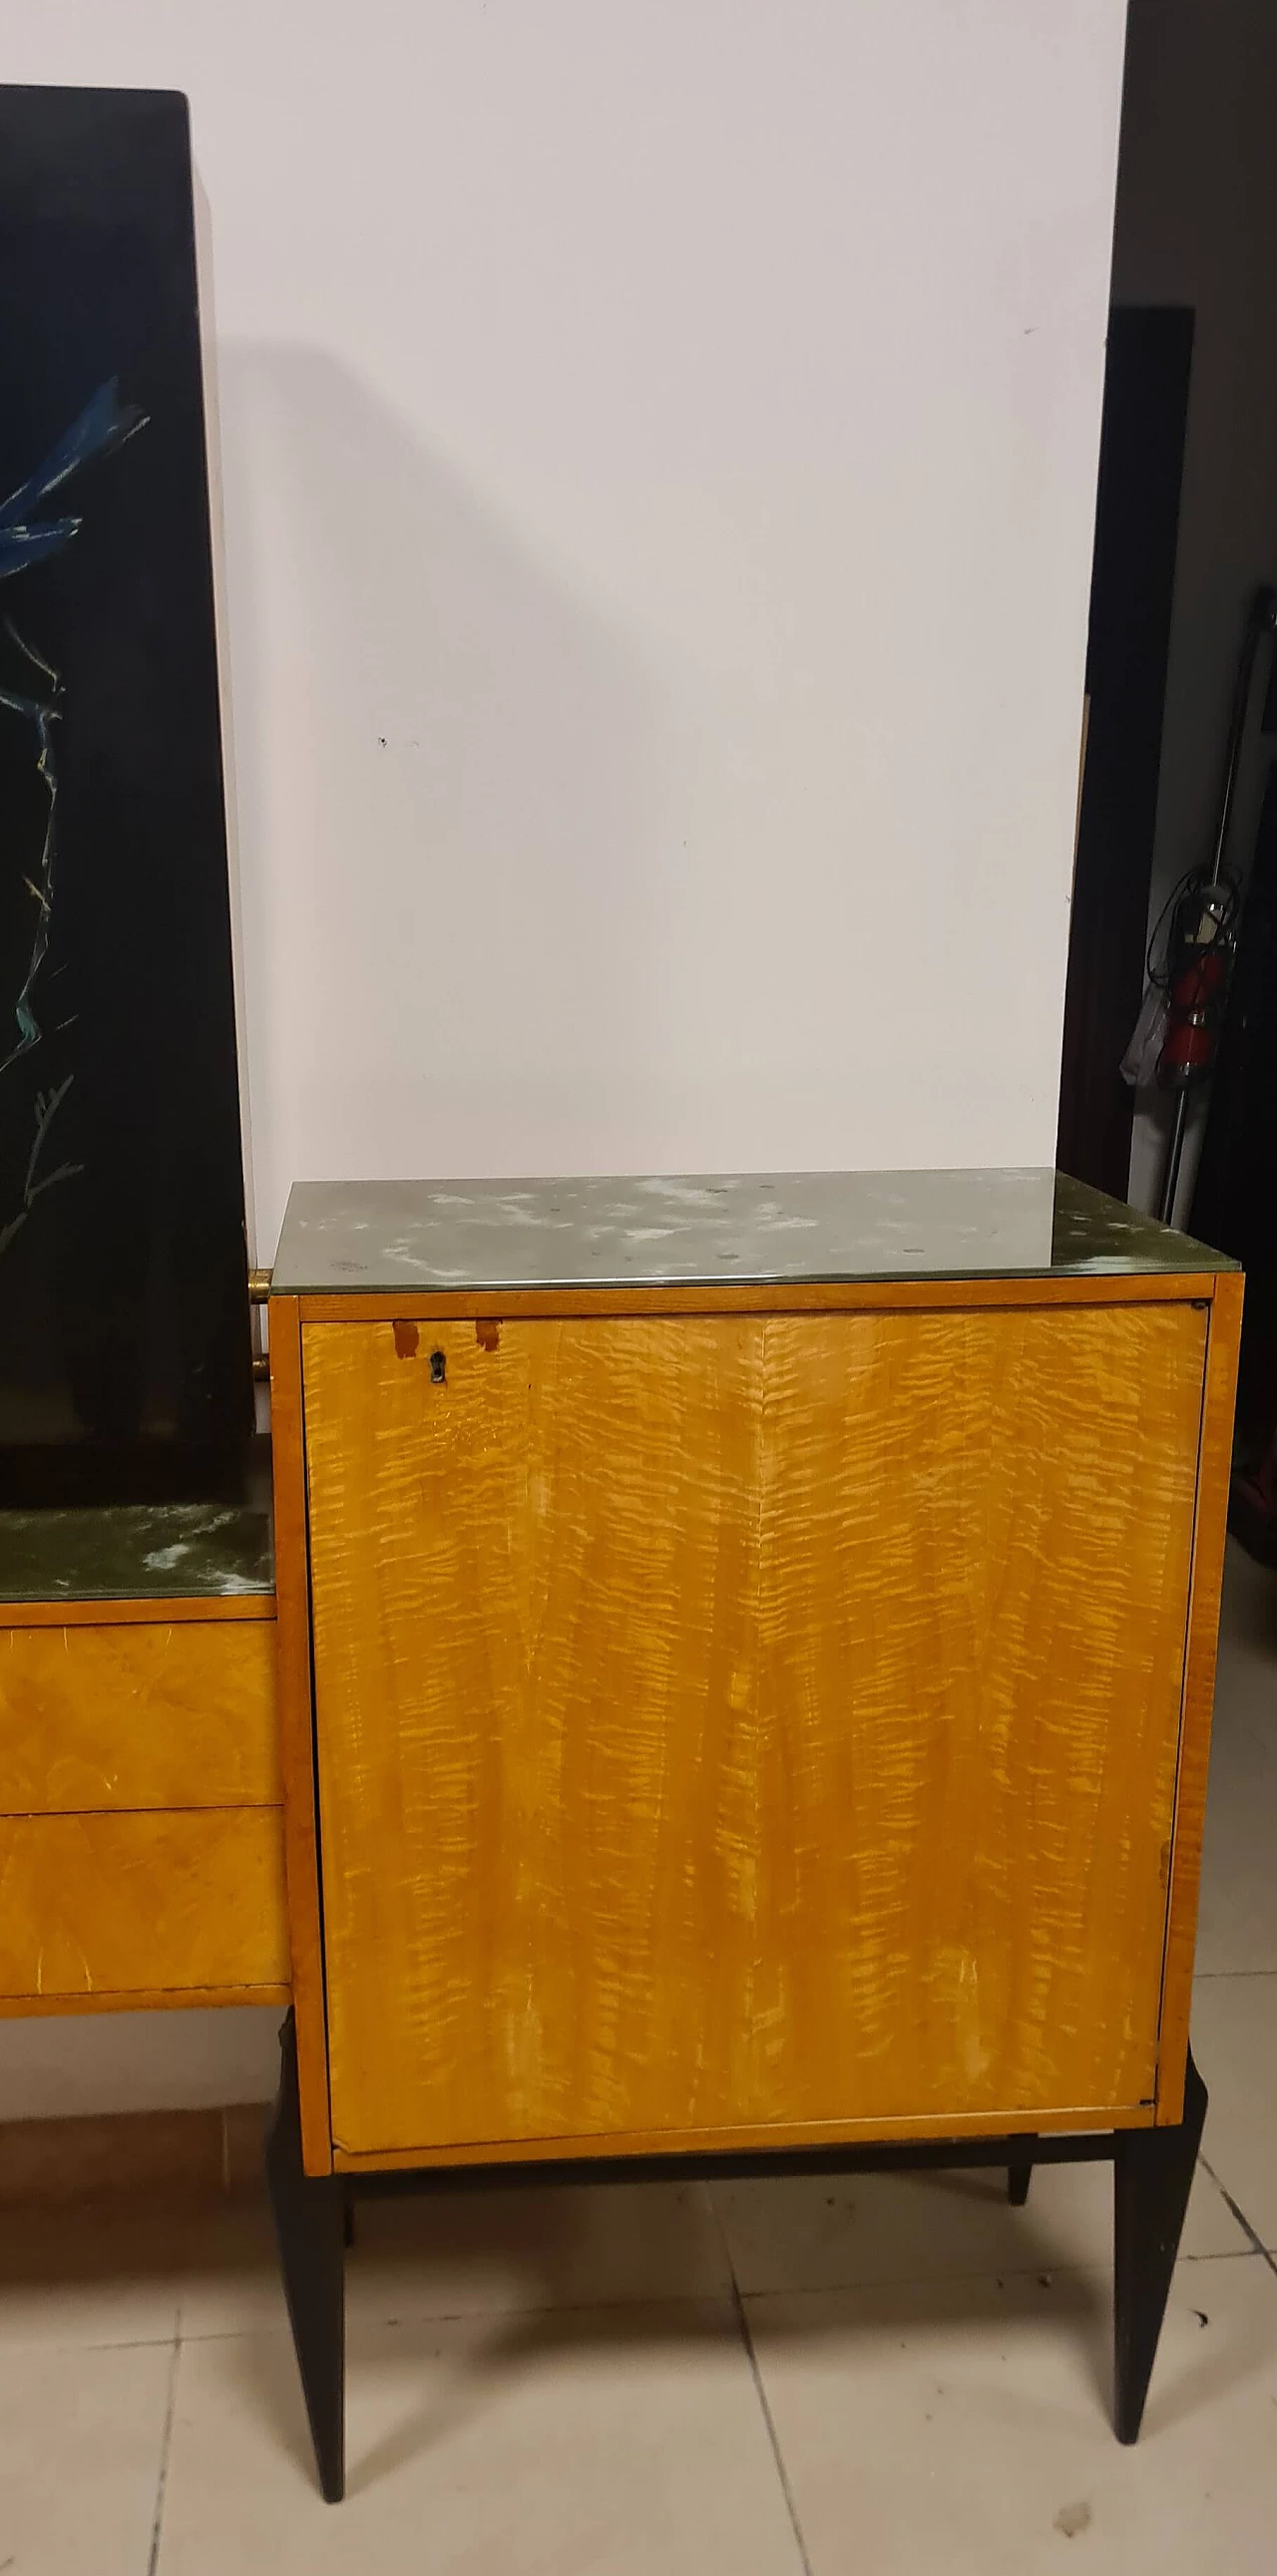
(1174, 1157)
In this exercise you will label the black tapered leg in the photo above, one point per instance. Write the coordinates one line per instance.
(347, 2217)
(1018, 2181)
(1152, 2178)
(309, 2221)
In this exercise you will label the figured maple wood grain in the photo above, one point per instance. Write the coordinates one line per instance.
(732, 1722)
(185, 1902)
(129, 1716)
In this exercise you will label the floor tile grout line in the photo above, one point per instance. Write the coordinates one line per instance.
(747, 2339)
(110, 2343)
(1257, 2245)
(769, 2420)
(1207, 1976)
(166, 2442)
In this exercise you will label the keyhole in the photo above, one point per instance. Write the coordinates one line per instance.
(438, 1368)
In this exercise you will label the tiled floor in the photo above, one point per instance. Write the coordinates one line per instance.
(896, 2375)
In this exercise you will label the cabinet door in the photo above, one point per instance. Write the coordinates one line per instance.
(728, 1722)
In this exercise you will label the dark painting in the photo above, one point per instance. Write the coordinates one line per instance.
(125, 1363)
(1145, 417)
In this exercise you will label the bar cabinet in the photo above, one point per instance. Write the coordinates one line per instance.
(746, 1659)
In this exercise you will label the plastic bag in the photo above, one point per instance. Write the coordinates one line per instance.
(1139, 1064)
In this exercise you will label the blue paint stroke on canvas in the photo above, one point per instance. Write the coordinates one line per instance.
(28, 536)
(104, 424)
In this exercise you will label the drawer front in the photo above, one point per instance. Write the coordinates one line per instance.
(177, 1714)
(94, 1906)
(726, 1721)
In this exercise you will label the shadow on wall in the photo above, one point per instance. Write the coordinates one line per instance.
(450, 773)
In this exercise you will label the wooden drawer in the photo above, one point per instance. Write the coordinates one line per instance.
(142, 1907)
(176, 1713)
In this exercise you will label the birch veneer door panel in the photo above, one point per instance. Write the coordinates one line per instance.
(734, 1721)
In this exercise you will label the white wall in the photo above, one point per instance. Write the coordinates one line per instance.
(658, 449)
(1197, 224)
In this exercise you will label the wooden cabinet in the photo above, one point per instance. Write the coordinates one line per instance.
(744, 1711)
(141, 1835)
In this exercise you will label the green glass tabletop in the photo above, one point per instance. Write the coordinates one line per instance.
(379, 1236)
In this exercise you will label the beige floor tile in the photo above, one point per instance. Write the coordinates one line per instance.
(1237, 1928)
(472, 2253)
(460, 2253)
(230, 2280)
(81, 2438)
(803, 2234)
(1235, 2044)
(608, 2443)
(955, 2429)
(88, 2277)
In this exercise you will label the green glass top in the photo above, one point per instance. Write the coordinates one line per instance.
(137, 1551)
(381, 1236)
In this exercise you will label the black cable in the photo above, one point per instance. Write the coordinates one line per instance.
(1190, 882)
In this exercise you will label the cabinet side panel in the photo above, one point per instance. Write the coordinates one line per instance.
(296, 1727)
(1214, 1470)
(737, 1721)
